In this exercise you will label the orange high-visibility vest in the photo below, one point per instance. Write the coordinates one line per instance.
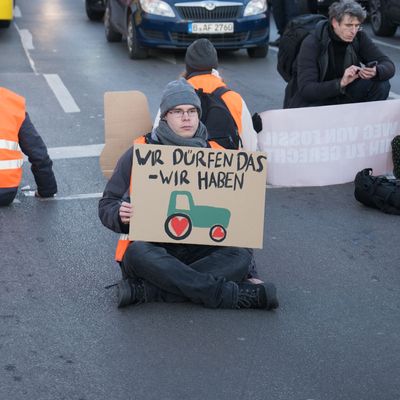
(12, 115)
(124, 241)
(233, 100)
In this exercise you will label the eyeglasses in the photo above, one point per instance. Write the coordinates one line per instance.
(178, 113)
(350, 27)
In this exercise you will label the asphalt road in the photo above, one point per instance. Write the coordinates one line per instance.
(336, 264)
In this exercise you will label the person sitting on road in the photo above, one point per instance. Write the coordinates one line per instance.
(18, 135)
(170, 272)
(201, 63)
(329, 67)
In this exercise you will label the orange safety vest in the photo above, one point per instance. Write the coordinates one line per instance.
(12, 115)
(124, 241)
(233, 100)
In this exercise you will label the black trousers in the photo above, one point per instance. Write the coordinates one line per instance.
(366, 90)
(206, 275)
(283, 11)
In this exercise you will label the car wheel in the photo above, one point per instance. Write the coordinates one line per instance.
(379, 20)
(136, 52)
(258, 52)
(93, 15)
(111, 34)
(5, 24)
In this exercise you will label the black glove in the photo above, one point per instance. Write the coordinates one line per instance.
(257, 122)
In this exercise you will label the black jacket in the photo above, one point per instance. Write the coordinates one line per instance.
(34, 148)
(309, 86)
(116, 191)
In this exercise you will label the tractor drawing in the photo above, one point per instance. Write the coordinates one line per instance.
(183, 215)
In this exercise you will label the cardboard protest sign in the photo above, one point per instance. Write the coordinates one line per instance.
(126, 117)
(197, 195)
(318, 146)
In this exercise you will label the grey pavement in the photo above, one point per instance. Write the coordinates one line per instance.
(336, 263)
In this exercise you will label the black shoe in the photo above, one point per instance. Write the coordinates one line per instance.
(257, 296)
(276, 42)
(131, 292)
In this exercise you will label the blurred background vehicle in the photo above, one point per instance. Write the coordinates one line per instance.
(95, 9)
(321, 6)
(229, 25)
(6, 13)
(384, 16)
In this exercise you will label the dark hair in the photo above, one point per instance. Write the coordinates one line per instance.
(346, 7)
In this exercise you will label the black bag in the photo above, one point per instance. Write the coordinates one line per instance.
(377, 191)
(295, 32)
(396, 156)
(218, 120)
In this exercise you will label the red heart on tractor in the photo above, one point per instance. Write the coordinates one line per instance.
(218, 233)
(179, 225)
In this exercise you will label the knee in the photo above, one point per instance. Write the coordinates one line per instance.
(244, 257)
(136, 252)
(382, 89)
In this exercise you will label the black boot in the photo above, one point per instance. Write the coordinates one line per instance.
(257, 296)
(131, 292)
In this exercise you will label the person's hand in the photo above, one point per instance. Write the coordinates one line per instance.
(367, 72)
(125, 212)
(350, 74)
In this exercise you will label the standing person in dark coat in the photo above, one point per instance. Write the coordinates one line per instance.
(339, 63)
(283, 11)
(18, 136)
(177, 272)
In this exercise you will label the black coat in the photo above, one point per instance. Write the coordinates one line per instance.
(116, 191)
(309, 86)
(34, 148)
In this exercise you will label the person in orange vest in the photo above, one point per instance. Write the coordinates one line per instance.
(208, 275)
(18, 136)
(201, 63)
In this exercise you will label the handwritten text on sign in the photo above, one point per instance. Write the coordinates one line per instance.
(197, 195)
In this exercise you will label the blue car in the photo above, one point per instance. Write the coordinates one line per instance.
(174, 24)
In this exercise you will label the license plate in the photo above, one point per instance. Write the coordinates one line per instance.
(211, 27)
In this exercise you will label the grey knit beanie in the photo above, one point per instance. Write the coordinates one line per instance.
(176, 93)
(201, 56)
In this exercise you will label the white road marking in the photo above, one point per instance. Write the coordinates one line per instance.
(273, 48)
(31, 193)
(26, 38)
(24, 35)
(17, 12)
(74, 197)
(393, 95)
(60, 153)
(393, 46)
(62, 94)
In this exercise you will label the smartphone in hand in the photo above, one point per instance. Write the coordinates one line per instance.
(371, 64)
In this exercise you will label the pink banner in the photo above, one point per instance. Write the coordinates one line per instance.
(319, 146)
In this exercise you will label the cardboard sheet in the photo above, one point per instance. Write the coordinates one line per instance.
(126, 116)
(196, 195)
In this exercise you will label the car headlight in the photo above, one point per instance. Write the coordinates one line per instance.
(255, 7)
(157, 7)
